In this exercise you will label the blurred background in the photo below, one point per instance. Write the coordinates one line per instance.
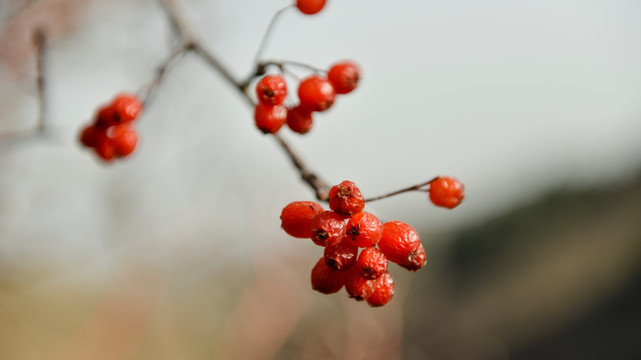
(176, 252)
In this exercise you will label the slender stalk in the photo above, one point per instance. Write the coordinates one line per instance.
(268, 32)
(417, 187)
(39, 39)
(149, 91)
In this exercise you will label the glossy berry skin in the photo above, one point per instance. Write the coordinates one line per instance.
(105, 149)
(316, 93)
(310, 7)
(326, 280)
(271, 90)
(327, 229)
(446, 192)
(123, 139)
(399, 241)
(344, 77)
(341, 256)
(364, 229)
(346, 198)
(300, 120)
(371, 263)
(91, 135)
(296, 218)
(383, 291)
(358, 287)
(124, 108)
(417, 260)
(270, 118)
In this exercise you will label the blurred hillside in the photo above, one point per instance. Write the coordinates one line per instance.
(558, 278)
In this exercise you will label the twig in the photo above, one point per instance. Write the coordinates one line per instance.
(417, 187)
(268, 33)
(150, 89)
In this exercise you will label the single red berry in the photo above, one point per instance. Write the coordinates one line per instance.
(270, 118)
(123, 138)
(364, 229)
(358, 287)
(341, 256)
(271, 90)
(399, 241)
(446, 192)
(310, 7)
(326, 280)
(296, 218)
(371, 263)
(344, 76)
(106, 116)
(105, 149)
(417, 259)
(316, 93)
(346, 198)
(126, 108)
(328, 228)
(383, 291)
(299, 119)
(90, 136)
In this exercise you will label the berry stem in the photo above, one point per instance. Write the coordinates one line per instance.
(268, 32)
(417, 187)
(284, 63)
(150, 89)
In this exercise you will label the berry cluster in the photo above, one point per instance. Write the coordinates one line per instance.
(315, 94)
(342, 231)
(111, 134)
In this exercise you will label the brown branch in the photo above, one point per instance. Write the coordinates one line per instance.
(417, 187)
(150, 89)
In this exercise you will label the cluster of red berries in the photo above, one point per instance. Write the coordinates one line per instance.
(315, 93)
(111, 134)
(345, 229)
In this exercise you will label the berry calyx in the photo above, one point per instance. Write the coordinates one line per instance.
(446, 192)
(270, 118)
(299, 119)
(383, 291)
(344, 76)
(310, 7)
(296, 218)
(346, 198)
(371, 263)
(271, 90)
(316, 93)
(398, 241)
(364, 229)
(416, 260)
(326, 280)
(341, 256)
(357, 287)
(327, 229)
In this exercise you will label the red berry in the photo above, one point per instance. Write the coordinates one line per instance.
(341, 256)
(90, 136)
(310, 7)
(364, 229)
(371, 263)
(346, 198)
(106, 116)
(105, 149)
(299, 119)
(126, 108)
(399, 241)
(446, 192)
(325, 279)
(270, 118)
(123, 138)
(296, 218)
(271, 90)
(383, 291)
(328, 228)
(344, 76)
(417, 259)
(316, 93)
(358, 287)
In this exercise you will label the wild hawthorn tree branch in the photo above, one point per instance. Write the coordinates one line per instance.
(188, 42)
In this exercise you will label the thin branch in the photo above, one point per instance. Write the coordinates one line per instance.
(180, 26)
(417, 187)
(150, 89)
(268, 33)
(319, 186)
(284, 63)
